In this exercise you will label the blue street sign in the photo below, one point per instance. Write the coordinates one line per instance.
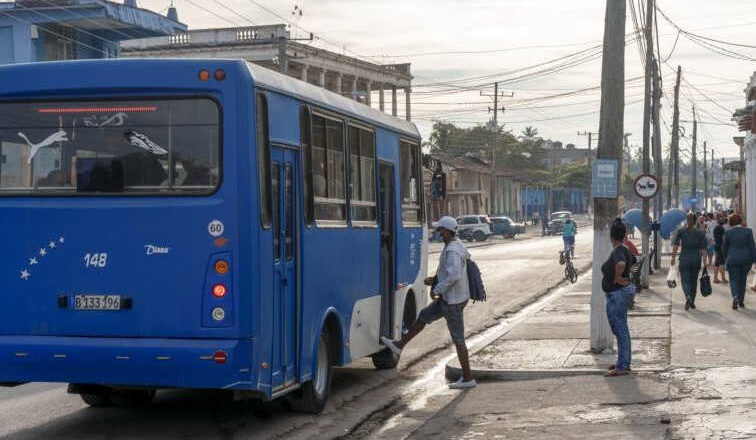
(692, 200)
(604, 179)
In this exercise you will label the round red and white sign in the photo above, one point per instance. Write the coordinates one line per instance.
(646, 186)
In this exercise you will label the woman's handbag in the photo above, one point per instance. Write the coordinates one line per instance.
(705, 283)
(672, 277)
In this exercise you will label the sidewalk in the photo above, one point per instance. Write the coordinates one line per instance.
(555, 341)
(696, 381)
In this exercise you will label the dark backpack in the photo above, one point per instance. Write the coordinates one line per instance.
(475, 282)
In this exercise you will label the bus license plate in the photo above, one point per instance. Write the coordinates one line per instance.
(97, 302)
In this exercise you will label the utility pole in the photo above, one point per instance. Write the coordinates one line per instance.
(609, 147)
(494, 136)
(590, 137)
(706, 181)
(658, 166)
(645, 224)
(713, 175)
(676, 143)
(694, 158)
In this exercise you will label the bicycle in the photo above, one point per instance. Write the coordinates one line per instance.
(570, 272)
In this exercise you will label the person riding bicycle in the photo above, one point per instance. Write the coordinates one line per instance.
(568, 235)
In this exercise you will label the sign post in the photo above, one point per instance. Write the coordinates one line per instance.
(646, 187)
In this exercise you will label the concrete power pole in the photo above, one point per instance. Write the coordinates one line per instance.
(694, 159)
(658, 168)
(676, 143)
(645, 224)
(494, 136)
(609, 147)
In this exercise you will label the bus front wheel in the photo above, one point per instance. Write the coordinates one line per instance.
(314, 393)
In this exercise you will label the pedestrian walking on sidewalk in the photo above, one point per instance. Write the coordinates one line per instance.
(740, 254)
(719, 259)
(450, 293)
(693, 252)
(620, 293)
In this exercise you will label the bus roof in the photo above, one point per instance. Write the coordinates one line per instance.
(44, 76)
(277, 82)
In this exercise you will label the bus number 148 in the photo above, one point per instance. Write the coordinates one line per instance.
(96, 260)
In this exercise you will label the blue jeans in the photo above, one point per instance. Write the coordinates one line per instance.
(738, 280)
(617, 303)
(569, 245)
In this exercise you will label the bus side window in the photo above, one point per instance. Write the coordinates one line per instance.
(411, 183)
(327, 170)
(362, 175)
(263, 160)
(305, 128)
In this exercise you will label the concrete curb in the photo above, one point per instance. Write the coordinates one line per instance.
(454, 372)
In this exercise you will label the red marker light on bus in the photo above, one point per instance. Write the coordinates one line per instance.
(220, 75)
(204, 75)
(219, 290)
(220, 357)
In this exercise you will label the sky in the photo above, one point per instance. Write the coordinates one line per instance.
(514, 35)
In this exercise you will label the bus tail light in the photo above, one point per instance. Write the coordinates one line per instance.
(218, 302)
(219, 290)
(221, 267)
(220, 75)
(204, 75)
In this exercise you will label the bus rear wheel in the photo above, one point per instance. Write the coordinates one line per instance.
(314, 393)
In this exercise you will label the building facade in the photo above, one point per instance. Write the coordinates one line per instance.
(746, 118)
(556, 155)
(376, 85)
(52, 30)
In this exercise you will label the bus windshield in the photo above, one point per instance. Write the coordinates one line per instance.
(161, 146)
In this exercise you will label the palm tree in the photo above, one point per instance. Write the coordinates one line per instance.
(530, 132)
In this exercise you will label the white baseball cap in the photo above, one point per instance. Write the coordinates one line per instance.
(448, 223)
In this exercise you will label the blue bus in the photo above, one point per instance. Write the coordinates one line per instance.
(205, 224)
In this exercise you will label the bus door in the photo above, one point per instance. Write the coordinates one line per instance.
(387, 223)
(285, 261)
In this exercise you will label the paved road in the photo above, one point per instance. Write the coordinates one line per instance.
(515, 272)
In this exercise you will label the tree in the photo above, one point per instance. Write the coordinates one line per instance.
(573, 175)
(530, 133)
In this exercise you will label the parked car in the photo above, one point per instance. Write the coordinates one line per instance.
(556, 222)
(506, 227)
(473, 227)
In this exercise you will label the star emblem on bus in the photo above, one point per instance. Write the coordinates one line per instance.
(43, 252)
(25, 274)
(33, 261)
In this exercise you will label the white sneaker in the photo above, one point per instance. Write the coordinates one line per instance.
(463, 385)
(391, 346)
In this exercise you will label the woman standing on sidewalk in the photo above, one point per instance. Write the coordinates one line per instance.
(693, 251)
(615, 282)
(740, 253)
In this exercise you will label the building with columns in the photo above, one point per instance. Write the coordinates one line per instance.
(382, 86)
